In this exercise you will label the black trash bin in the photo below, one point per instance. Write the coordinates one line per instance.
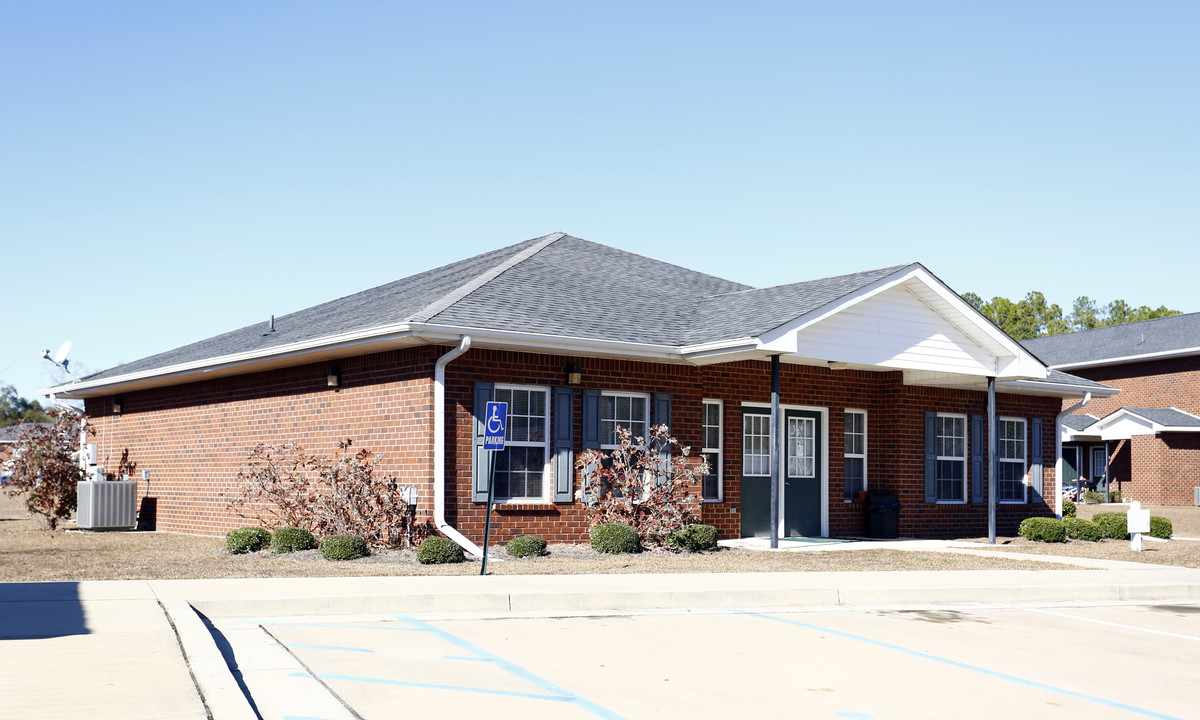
(883, 515)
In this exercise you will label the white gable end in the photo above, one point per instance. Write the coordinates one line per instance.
(895, 329)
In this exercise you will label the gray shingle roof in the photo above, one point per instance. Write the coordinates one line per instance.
(754, 311)
(1164, 335)
(1169, 417)
(1079, 422)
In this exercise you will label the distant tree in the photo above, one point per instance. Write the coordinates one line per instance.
(15, 409)
(1035, 317)
(45, 468)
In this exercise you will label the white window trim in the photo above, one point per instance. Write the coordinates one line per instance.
(863, 454)
(644, 397)
(716, 455)
(548, 468)
(966, 457)
(1023, 461)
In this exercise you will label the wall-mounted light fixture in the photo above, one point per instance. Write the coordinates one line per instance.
(118, 406)
(838, 365)
(574, 374)
(333, 376)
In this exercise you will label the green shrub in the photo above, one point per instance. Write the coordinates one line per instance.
(1114, 496)
(1113, 524)
(343, 547)
(1043, 529)
(438, 551)
(290, 539)
(693, 538)
(1160, 527)
(615, 538)
(1082, 529)
(1091, 497)
(1068, 509)
(526, 545)
(246, 540)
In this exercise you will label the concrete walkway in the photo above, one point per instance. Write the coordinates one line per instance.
(120, 649)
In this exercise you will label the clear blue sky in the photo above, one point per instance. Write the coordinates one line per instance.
(170, 171)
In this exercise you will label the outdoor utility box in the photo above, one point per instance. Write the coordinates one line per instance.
(107, 505)
(883, 515)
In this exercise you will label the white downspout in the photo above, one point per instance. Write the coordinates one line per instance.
(439, 449)
(1058, 460)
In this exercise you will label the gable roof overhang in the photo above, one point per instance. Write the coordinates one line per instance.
(1128, 422)
(902, 319)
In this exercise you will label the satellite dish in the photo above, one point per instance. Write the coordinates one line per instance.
(61, 355)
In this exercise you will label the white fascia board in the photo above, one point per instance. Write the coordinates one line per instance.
(415, 333)
(1165, 355)
(1045, 387)
(390, 333)
(723, 347)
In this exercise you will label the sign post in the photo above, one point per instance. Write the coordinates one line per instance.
(495, 421)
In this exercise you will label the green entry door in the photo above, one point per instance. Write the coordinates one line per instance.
(802, 478)
(800, 465)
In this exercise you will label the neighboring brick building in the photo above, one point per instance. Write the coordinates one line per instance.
(1145, 441)
(882, 386)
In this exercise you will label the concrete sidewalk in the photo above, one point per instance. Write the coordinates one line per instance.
(108, 649)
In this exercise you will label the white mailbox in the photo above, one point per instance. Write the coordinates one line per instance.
(1137, 521)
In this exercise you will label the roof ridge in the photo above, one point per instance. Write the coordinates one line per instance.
(462, 291)
(813, 280)
(660, 262)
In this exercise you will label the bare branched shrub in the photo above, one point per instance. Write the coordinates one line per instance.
(282, 485)
(45, 467)
(636, 485)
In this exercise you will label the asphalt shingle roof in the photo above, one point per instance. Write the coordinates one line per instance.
(556, 285)
(1163, 335)
(1166, 416)
(1079, 422)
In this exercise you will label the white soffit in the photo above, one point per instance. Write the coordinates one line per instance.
(906, 325)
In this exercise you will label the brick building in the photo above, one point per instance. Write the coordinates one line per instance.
(882, 380)
(1145, 441)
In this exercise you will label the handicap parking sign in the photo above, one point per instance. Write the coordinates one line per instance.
(495, 418)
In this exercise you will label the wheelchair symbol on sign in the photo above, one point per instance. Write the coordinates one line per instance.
(495, 420)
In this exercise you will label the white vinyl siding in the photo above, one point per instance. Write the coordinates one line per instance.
(629, 410)
(712, 429)
(855, 452)
(1011, 465)
(951, 450)
(523, 466)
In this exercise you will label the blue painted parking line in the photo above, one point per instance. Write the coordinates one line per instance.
(963, 666)
(550, 691)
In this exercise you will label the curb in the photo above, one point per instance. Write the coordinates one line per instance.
(575, 602)
(219, 690)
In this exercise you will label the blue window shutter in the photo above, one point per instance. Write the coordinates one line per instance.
(662, 416)
(1035, 468)
(591, 427)
(481, 465)
(930, 457)
(564, 441)
(976, 458)
(591, 419)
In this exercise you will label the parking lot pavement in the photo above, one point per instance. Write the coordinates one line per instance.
(1119, 661)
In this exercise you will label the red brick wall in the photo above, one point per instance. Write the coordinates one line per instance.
(895, 437)
(1173, 461)
(1159, 470)
(193, 437)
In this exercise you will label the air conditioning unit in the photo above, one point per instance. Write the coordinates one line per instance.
(107, 505)
(1196, 492)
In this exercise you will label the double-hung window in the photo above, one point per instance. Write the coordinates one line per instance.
(756, 444)
(855, 452)
(629, 410)
(951, 447)
(523, 466)
(1010, 453)
(711, 428)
